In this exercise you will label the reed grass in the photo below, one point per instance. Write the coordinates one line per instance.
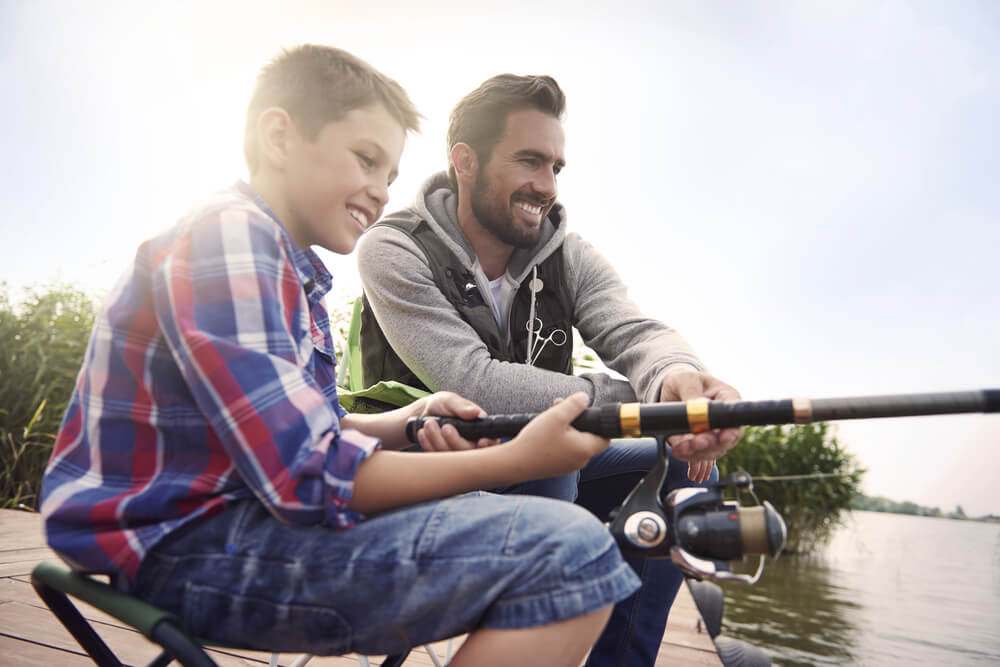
(44, 337)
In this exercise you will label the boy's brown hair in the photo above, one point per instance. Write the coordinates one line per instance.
(317, 85)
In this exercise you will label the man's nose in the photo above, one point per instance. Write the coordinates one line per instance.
(545, 184)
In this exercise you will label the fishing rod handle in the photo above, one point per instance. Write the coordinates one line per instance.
(634, 419)
(602, 420)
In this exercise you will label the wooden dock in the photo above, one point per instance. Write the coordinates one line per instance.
(30, 635)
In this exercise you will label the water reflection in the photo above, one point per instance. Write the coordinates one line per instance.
(888, 590)
(796, 613)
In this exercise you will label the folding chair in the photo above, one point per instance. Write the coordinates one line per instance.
(56, 584)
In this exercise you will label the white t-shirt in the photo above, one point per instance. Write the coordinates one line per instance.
(496, 289)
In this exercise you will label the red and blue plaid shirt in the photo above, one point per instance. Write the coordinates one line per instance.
(209, 378)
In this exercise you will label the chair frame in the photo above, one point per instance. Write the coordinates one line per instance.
(56, 584)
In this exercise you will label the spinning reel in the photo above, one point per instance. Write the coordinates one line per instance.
(696, 527)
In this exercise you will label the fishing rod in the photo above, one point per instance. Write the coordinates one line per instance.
(617, 420)
(695, 527)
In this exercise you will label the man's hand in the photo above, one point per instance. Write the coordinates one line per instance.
(700, 450)
(432, 437)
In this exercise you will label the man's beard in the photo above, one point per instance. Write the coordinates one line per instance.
(497, 220)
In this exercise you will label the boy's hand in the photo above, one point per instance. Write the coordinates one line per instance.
(432, 437)
(551, 447)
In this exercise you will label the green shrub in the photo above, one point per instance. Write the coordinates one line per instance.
(44, 339)
(812, 505)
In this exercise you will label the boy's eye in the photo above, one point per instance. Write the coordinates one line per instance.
(367, 160)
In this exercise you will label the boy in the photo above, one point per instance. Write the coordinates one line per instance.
(205, 462)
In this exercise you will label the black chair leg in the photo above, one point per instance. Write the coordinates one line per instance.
(395, 660)
(162, 660)
(76, 624)
(180, 646)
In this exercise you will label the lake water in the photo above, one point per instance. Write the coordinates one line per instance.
(889, 589)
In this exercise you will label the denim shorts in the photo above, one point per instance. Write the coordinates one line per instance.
(633, 633)
(400, 579)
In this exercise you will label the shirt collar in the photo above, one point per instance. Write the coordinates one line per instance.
(313, 274)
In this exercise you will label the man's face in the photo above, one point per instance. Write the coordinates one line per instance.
(516, 189)
(338, 184)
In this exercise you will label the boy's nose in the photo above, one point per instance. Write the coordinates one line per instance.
(379, 192)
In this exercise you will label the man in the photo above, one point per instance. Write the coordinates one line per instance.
(476, 287)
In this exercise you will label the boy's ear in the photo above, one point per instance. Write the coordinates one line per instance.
(275, 130)
(465, 161)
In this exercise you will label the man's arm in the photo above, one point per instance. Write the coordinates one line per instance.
(442, 349)
(446, 353)
(656, 359)
(639, 347)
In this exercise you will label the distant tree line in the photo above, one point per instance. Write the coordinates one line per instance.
(883, 504)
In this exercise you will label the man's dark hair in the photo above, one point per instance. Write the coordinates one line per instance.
(480, 118)
(317, 85)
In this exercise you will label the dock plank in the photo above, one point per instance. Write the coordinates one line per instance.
(24, 653)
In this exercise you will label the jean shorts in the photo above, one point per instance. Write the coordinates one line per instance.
(400, 579)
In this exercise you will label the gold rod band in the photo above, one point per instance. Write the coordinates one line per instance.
(803, 410)
(698, 415)
(628, 415)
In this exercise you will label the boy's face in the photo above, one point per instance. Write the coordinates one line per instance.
(337, 185)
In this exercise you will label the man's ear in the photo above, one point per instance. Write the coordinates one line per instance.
(465, 161)
(275, 130)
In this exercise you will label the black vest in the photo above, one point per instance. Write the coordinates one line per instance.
(552, 307)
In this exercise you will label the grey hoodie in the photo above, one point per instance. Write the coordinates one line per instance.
(445, 352)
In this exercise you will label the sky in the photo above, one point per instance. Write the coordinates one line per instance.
(807, 191)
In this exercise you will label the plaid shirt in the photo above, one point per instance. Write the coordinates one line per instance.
(209, 377)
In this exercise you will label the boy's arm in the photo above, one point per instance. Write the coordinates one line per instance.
(388, 479)
(233, 312)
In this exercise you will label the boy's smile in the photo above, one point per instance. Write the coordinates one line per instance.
(336, 186)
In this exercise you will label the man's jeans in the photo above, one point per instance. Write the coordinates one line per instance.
(633, 634)
(400, 579)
